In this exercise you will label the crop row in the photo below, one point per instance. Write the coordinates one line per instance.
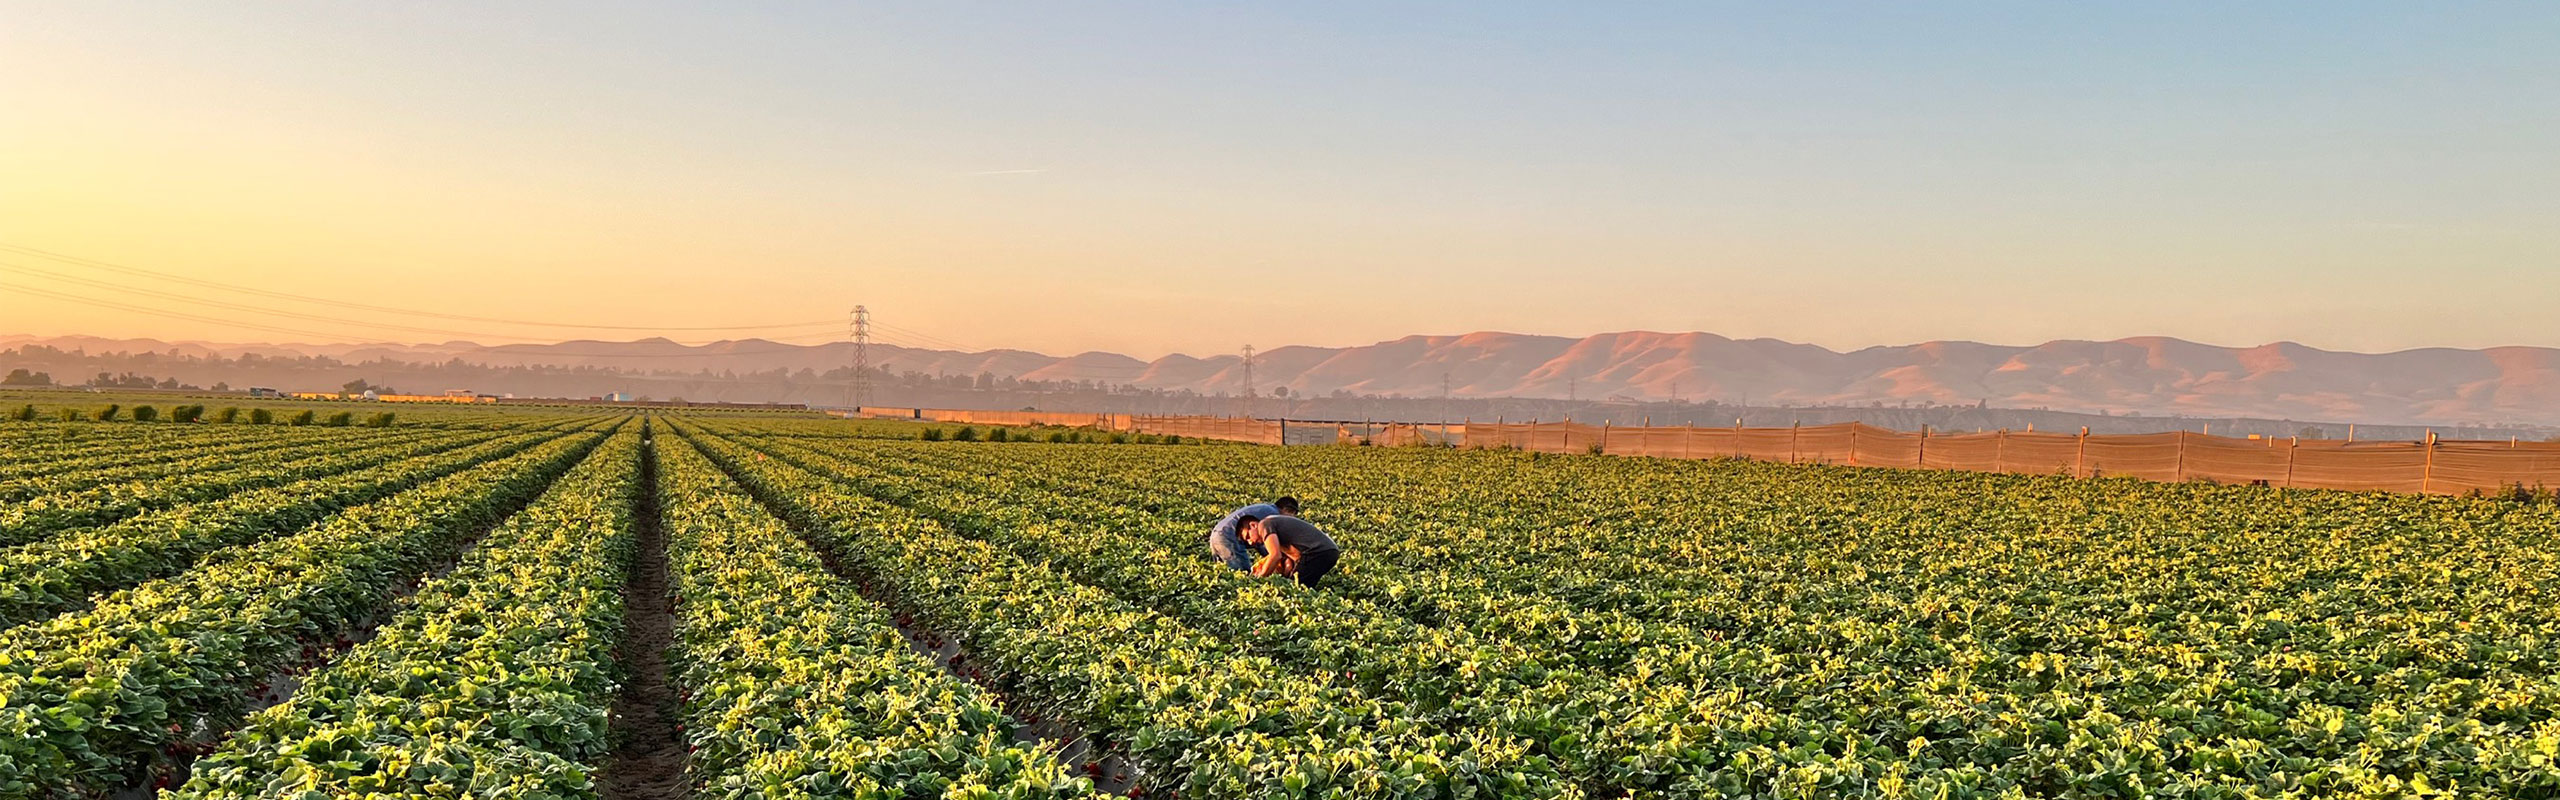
(61, 572)
(99, 699)
(1184, 705)
(494, 681)
(86, 472)
(35, 518)
(43, 449)
(798, 687)
(36, 457)
(2198, 699)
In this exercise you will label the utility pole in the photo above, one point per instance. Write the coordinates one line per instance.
(859, 392)
(1248, 381)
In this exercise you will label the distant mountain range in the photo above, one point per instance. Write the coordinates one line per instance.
(2146, 375)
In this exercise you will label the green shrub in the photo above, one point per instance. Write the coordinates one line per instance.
(303, 417)
(189, 413)
(227, 415)
(68, 414)
(145, 413)
(380, 420)
(260, 416)
(998, 435)
(342, 419)
(1115, 437)
(1173, 438)
(966, 434)
(931, 435)
(1057, 437)
(25, 413)
(108, 414)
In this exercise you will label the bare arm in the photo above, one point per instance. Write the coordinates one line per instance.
(1283, 560)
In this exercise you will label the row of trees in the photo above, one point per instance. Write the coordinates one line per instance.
(104, 380)
(113, 412)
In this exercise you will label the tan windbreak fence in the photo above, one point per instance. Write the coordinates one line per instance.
(2437, 467)
(2434, 467)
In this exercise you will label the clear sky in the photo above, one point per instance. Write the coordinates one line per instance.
(1195, 176)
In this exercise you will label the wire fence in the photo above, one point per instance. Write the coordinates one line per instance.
(2431, 466)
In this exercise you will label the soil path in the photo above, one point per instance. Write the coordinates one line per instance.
(649, 756)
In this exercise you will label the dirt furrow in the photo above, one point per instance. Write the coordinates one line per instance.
(648, 762)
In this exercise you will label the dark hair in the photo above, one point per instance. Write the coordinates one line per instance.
(1286, 504)
(1245, 520)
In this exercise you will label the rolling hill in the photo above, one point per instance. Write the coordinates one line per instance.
(2146, 375)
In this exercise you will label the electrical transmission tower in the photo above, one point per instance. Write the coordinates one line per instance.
(858, 394)
(1248, 381)
(1444, 399)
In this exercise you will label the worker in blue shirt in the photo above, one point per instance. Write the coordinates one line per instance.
(1226, 540)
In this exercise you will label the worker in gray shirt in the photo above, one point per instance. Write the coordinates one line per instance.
(1226, 539)
(1297, 547)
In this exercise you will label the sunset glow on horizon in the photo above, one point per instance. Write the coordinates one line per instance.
(1152, 179)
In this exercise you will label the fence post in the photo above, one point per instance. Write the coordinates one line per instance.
(2427, 479)
(1853, 444)
(2080, 460)
(2000, 451)
(1687, 432)
(1793, 434)
(1921, 460)
(2182, 455)
(2291, 453)
(1604, 436)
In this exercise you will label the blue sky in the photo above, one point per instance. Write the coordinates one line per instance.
(1159, 177)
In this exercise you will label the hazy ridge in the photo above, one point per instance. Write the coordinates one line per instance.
(2147, 375)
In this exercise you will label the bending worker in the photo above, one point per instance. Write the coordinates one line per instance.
(1226, 540)
(1296, 546)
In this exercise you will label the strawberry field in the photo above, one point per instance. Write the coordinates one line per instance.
(570, 606)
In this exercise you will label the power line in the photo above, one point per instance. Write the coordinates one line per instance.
(352, 338)
(913, 339)
(788, 347)
(173, 314)
(26, 270)
(912, 333)
(138, 271)
(791, 348)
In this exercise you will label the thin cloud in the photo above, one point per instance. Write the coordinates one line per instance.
(1006, 172)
